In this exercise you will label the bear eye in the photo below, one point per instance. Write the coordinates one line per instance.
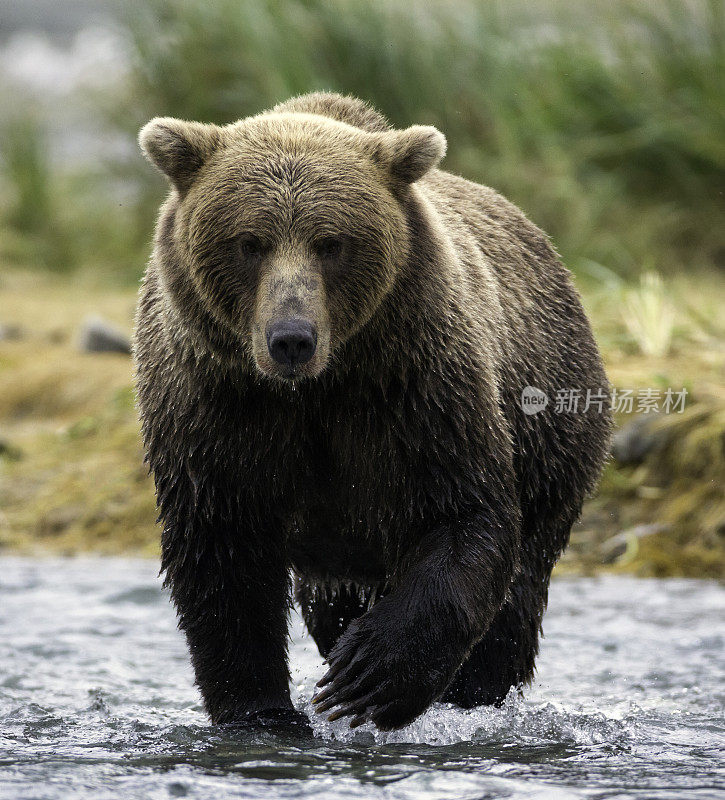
(250, 246)
(328, 248)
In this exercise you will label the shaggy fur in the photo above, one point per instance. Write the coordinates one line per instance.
(395, 473)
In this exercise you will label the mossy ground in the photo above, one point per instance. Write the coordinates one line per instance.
(72, 477)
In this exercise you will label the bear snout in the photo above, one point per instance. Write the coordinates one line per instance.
(291, 342)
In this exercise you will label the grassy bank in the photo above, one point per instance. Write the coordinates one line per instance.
(71, 462)
(72, 478)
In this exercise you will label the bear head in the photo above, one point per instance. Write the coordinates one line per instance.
(288, 229)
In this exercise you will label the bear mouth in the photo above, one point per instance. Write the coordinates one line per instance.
(288, 375)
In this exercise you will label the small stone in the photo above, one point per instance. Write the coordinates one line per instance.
(11, 333)
(98, 336)
(636, 440)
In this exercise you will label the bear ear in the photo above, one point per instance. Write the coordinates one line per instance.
(412, 152)
(179, 149)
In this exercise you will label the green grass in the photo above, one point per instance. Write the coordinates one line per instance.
(605, 122)
(64, 220)
(31, 211)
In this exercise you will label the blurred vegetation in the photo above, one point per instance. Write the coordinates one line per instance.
(604, 122)
(72, 475)
(65, 220)
(32, 215)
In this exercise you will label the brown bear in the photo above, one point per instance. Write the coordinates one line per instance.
(332, 341)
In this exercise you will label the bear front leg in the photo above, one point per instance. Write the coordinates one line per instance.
(230, 586)
(395, 660)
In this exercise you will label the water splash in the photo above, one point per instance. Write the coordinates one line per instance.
(97, 701)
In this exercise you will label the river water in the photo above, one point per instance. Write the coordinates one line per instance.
(97, 701)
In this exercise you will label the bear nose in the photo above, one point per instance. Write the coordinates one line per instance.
(291, 342)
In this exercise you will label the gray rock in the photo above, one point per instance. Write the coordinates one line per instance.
(10, 333)
(98, 336)
(636, 440)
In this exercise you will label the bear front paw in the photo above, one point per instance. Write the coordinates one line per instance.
(379, 673)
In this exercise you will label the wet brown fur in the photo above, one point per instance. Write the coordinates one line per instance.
(397, 475)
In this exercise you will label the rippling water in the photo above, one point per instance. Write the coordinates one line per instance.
(97, 701)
